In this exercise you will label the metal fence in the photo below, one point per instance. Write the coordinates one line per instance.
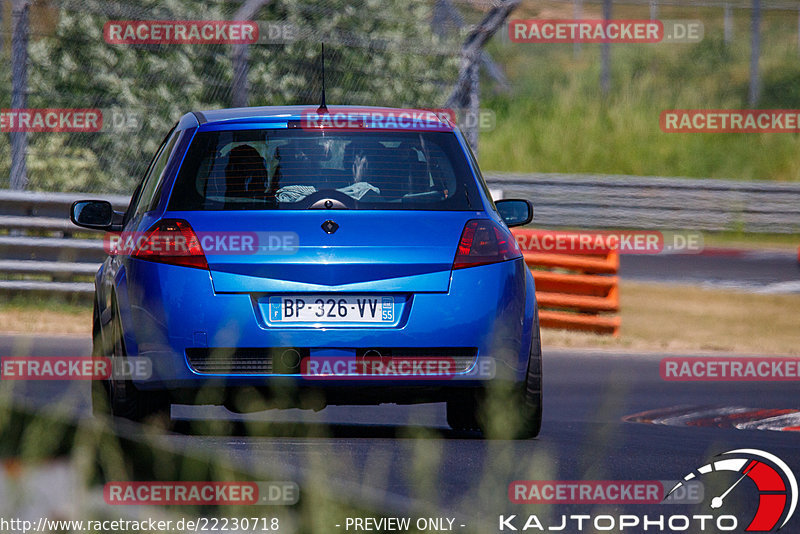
(602, 201)
(58, 54)
(40, 250)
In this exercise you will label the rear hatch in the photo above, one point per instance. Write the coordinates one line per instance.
(357, 251)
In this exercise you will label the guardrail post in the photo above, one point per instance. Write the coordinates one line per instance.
(755, 50)
(727, 15)
(605, 53)
(19, 89)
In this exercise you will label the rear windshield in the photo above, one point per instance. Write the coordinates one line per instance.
(298, 169)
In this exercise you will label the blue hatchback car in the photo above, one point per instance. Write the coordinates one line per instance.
(345, 255)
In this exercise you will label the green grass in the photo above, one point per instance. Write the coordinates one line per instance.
(556, 120)
(685, 319)
(67, 304)
(751, 241)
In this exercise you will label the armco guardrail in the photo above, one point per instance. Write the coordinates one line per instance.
(575, 292)
(602, 201)
(41, 250)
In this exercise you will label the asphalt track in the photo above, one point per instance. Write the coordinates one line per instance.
(750, 270)
(400, 459)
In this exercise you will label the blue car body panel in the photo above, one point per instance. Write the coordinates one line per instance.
(165, 310)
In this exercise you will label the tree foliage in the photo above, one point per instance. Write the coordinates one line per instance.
(377, 53)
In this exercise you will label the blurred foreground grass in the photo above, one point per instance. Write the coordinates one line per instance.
(335, 482)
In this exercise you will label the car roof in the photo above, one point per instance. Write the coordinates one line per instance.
(285, 113)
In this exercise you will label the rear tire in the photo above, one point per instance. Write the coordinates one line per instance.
(462, 414)
(531, 402)
(100, 396)
(122, 399)
(469, 412)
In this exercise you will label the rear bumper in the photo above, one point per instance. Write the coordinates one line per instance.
(172, 309)
(308, 396)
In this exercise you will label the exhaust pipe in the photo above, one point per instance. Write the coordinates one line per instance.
(290, 358)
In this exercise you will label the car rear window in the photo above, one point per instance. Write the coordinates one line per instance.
(292, 168)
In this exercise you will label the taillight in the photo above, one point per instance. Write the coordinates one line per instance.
(484, 241)
(174, 242)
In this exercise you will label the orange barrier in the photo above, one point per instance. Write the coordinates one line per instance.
(575, 292)
(584, 263)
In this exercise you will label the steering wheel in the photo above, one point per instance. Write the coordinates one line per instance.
(330, 199)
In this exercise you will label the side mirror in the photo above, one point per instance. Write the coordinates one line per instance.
(93, 214)
(515, 212)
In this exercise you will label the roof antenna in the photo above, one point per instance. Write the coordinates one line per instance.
(322, 107)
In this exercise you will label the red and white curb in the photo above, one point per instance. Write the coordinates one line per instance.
(738, 417)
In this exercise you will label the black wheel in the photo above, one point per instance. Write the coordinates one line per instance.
(462, 413)
(531, 402)
(100, 395)
(524, 402)
(123, 399)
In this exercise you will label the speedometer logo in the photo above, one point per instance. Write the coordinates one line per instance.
(775, 482)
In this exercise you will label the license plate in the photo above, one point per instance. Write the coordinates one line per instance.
(328, 309)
